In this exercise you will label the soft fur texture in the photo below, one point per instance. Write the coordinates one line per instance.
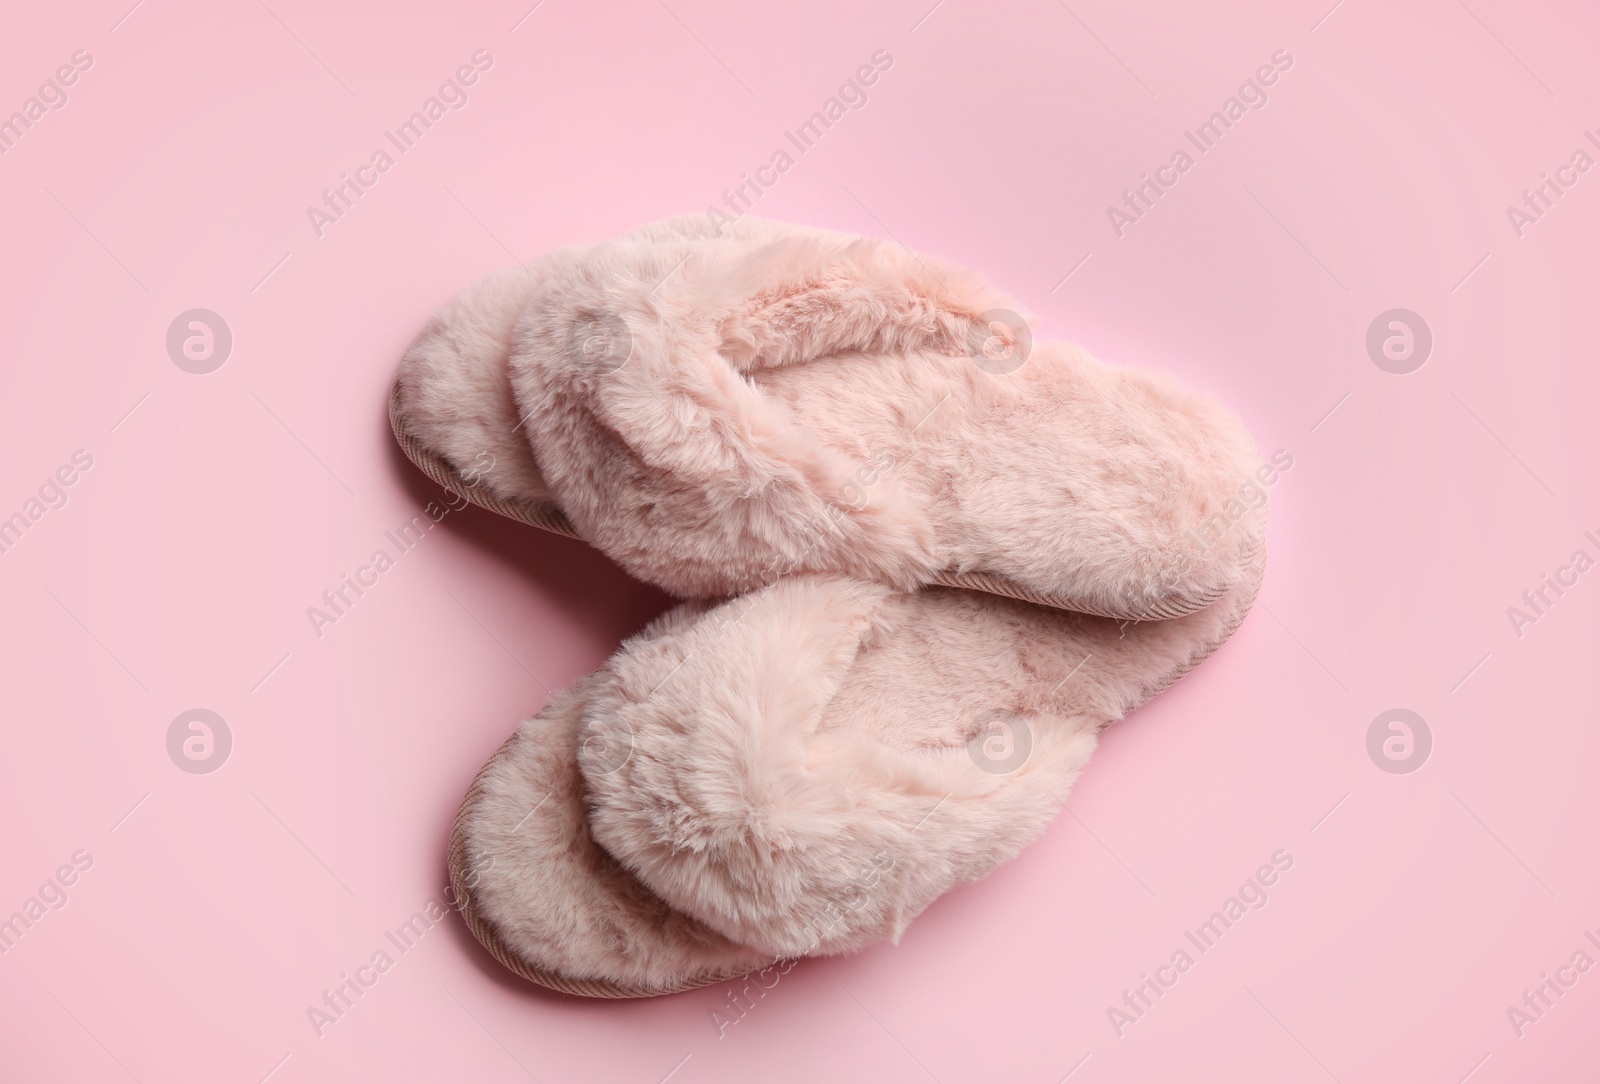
(551, 895)
(456, 392)
(799, 414)
(792, 772)
(796, 400)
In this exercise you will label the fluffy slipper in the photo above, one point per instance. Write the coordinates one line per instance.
(545, 900)
(716, 411)
(797, 772)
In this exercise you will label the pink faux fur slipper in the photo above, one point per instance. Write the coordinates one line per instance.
(714, 411)
(797, 772)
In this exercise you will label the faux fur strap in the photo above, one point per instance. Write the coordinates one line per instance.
(632, 367)
(735, 770)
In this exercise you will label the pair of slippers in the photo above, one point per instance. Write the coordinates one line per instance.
(927, 560)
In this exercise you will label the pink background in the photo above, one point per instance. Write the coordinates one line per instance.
(219, 509)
